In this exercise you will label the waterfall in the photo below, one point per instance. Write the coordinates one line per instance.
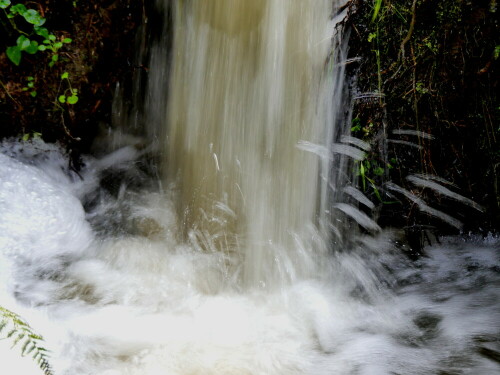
(249, 82)
(230, 257)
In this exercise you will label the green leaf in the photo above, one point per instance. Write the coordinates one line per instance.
(31, 85)
(30, 78)
(67, 40)
(379, 171)
(14, 54)
(51, 64)
(18, 8)
(46, 41)
(62, 98)
(65, 75)
(376, 9)
(42, 47)
(375, 190)
(33, 17)
(362, 174)
(55, 58)
(496, 52)
(72, 99)
(26, 137)
(32, 48)
(33, 94)
(42, 31)
(22, 42)
(52, 37)
(58, 45)
(4, 3)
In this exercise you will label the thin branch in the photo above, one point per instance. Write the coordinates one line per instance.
(412, 26)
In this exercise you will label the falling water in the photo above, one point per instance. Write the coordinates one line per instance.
(249, 82)
(226, 264)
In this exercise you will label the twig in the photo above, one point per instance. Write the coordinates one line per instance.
(8, 93)
(412, 26)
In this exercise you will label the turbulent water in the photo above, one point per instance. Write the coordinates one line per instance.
(146, 303)
(225, 265)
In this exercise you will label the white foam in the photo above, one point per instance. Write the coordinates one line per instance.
(137, 305)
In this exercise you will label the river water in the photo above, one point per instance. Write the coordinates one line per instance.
(231, 259)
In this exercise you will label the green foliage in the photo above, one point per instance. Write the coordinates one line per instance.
(371, 174)
(30, 86)
(13, 327)
(433, 67)
(373, 168)
(363, 131)
(70, 95)
(26, 42)
(376, 9)
(496, 52)
(4, 4)
(32, 135)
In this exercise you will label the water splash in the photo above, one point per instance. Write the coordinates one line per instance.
(146, 303)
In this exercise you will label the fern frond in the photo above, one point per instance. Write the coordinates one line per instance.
(20, 332)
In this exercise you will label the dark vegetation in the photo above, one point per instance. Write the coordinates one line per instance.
(104, 40)
(433, 65)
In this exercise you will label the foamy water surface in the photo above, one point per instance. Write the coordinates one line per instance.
(113, 290)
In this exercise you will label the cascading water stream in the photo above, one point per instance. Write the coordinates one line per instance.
(225, 266)
(249, 82)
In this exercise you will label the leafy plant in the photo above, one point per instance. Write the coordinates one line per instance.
(30, 86)
(26, 42)
(364, 131)
(373, 167)
(32, 135)
(70, 95)
(19, 331)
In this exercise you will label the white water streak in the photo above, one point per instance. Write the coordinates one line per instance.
(422, 206)
(359, 196)
(417, 133)
(443, 191)
(350, 151)
(441, 180)
(360, 217)
(356, 142)
(405, 143)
